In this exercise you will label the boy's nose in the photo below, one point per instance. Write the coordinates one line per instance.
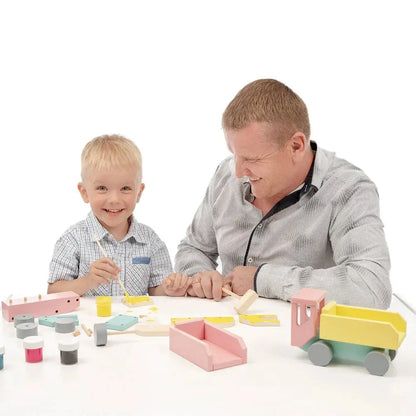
(113, 197)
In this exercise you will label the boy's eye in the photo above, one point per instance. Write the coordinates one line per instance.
(101, 188)
(126, 188)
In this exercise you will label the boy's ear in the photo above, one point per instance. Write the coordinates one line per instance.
(83, 192)
(140, 192)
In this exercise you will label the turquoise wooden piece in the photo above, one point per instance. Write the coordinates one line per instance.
(50, 320)
(121, 322)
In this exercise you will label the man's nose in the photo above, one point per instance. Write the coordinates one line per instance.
(240, 169)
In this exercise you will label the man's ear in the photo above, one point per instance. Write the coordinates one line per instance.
(140, 192)
(298, 144)
(83, 192)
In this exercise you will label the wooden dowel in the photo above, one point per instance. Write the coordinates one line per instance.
(105, 255)
(228, 292)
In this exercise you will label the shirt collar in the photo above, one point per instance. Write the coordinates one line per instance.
(96, 230)
(323, 161)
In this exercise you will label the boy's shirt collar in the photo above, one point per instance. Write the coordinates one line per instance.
(95, 229)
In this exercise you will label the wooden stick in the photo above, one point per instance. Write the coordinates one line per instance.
(105, 255)
(145, 330)
(228, 292)
(86, 330)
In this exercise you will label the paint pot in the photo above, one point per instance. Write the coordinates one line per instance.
(103, 305)
(33, 349)
(27, 329)
(1, 356)
(23, 318)
(69, 351)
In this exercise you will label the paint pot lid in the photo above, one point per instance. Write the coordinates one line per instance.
(1, 349)
(33, 342)
(64, 325)
(23, 318)
(68, 345)
(103, 300)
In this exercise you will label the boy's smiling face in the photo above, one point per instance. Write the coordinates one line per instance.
(112, 194)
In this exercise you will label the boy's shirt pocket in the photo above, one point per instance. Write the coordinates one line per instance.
(141, 260)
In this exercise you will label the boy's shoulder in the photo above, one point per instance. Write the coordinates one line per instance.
(75, 231)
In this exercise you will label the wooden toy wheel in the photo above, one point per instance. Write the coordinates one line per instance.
(377, 362)
(100, 334)
(320, 353)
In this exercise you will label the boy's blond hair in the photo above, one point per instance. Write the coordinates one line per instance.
(268, 100)
(109, 151)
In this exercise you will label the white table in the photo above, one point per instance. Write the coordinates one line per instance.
(139, 375)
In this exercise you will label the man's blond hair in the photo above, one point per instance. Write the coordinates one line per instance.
(268, 100)
(110, 151)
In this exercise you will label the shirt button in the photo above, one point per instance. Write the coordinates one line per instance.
(250, 260)
(260, 225)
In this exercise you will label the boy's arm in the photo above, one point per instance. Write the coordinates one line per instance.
(64, 269)
(79, 286)
(101, 272)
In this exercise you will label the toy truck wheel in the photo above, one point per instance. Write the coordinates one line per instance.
(320, 353)
(377, 362)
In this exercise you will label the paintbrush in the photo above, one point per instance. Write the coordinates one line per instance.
(105, 255)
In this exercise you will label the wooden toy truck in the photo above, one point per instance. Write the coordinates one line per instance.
(368, 335)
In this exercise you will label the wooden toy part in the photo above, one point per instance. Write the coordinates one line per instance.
(135, 301)
(153, 330)
(219, 321)
(101, 333)
(87, 330)
(76, 333)
(105, 255)
(245, 301)
(206, 345)
(259, 320)
(51, 304)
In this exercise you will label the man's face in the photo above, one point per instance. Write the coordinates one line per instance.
(268, 166)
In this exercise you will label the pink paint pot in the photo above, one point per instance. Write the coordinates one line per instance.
(33, 346)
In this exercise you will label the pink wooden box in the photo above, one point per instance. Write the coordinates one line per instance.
(206, 345)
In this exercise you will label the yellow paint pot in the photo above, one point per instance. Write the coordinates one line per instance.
(103, 305)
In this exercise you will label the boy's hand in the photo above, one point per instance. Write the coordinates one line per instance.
(176, 284)
(101, 272)
(207, 284)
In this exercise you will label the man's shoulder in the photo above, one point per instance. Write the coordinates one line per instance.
(338, 170)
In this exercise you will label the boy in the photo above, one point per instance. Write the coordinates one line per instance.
(111, 171)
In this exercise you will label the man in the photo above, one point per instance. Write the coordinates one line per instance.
(283, 214)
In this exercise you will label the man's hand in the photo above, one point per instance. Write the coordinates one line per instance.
(241, 279)
(207, 284)
(176, 284)
(101, 272)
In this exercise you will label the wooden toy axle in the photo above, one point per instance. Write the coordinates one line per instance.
(101, 333)
(245, 301)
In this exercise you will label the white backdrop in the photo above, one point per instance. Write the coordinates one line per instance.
(161, 73)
